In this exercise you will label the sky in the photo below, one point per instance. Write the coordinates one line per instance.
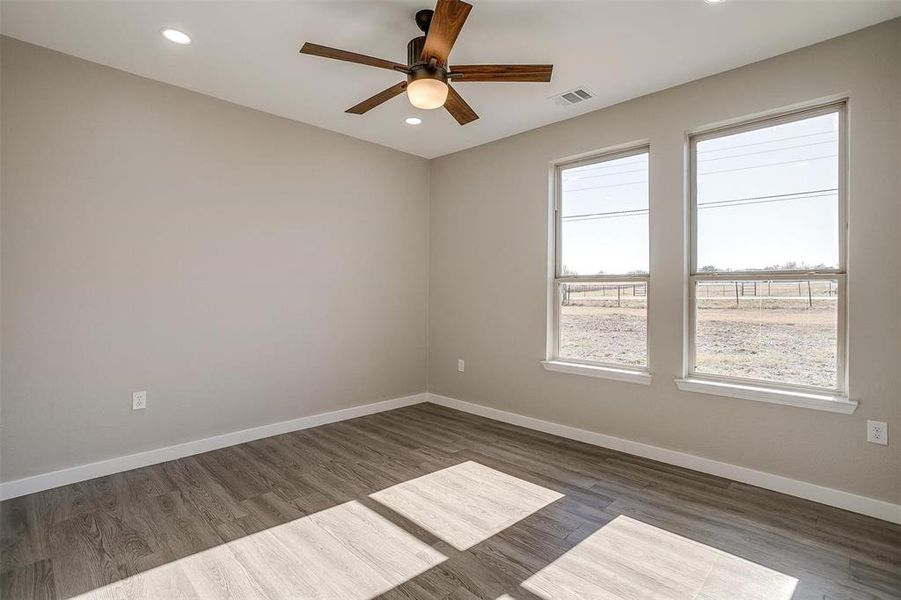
(765, 197)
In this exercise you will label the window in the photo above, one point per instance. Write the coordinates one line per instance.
(767, 281)
(601, 275)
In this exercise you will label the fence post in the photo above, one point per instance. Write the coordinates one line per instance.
(736, 294)
(809, 296)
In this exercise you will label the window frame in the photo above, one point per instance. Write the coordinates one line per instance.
(610, 370)
(838, 274)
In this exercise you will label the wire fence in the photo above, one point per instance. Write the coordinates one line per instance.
(606, 293)
(802, 290)
(620, 294)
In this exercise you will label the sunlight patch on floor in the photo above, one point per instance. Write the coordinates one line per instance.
(467, 503)
(347, 551)
(630, 560)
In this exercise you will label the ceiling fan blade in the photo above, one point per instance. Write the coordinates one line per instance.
(447, 21)
(362, 59)
(537, 73)
(383, 96)
(458, 108)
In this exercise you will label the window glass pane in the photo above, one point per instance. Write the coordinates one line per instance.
(604, 217)
(779, 331)
(768, 198)
(604, 322)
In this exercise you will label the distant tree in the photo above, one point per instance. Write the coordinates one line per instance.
(789, 266)
(794, 266)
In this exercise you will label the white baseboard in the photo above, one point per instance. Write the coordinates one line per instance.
(872, 507)
(45, 481)
(801, 489)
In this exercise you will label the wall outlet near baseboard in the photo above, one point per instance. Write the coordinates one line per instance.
(139, 400)
(877, 432)
(460, 365)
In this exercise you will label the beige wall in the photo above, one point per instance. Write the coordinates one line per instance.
(242, 268)
(488, 273)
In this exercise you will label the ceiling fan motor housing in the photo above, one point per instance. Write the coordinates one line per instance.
(426, 71)
(414, 50)
(420, 69)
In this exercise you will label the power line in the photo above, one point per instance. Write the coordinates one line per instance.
(631, 162)
(769, 151)
(812, 194)
(776, 164)
(611, 164)
(793, 137)
(712, 202)
(607, 215)
(611, 174)
(612, 185)
(768, 201)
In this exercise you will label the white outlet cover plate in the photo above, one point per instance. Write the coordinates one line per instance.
(139, 400)
(877, 432)
(460, 365)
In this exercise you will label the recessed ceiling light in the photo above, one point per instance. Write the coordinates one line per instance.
(412, 120)
(714, 1)
(177, 37)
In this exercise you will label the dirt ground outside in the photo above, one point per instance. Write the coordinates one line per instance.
(775, 338)
(604, 334)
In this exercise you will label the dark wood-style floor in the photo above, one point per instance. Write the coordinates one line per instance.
(187, 514)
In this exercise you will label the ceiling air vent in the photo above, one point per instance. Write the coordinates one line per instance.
(573, 96)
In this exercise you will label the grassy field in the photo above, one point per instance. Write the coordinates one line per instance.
(779, 337)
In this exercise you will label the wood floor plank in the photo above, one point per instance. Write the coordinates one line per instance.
(182, 528)
(94, 550)
(271, 510)
(149, 481)
(30, 581)
(23, 533)
(200, 488)
(886, 580)
(371, 507)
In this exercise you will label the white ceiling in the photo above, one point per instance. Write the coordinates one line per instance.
(247, 52)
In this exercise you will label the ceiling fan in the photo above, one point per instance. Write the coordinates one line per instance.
(427, 71)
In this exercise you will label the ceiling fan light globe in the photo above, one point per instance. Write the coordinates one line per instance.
(427, 93)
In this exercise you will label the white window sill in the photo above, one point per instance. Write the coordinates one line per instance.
(817, 401)
(629, 375)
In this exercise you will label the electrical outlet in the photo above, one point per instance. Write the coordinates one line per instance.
(877, 432)
(139, 400)
(460, 365)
